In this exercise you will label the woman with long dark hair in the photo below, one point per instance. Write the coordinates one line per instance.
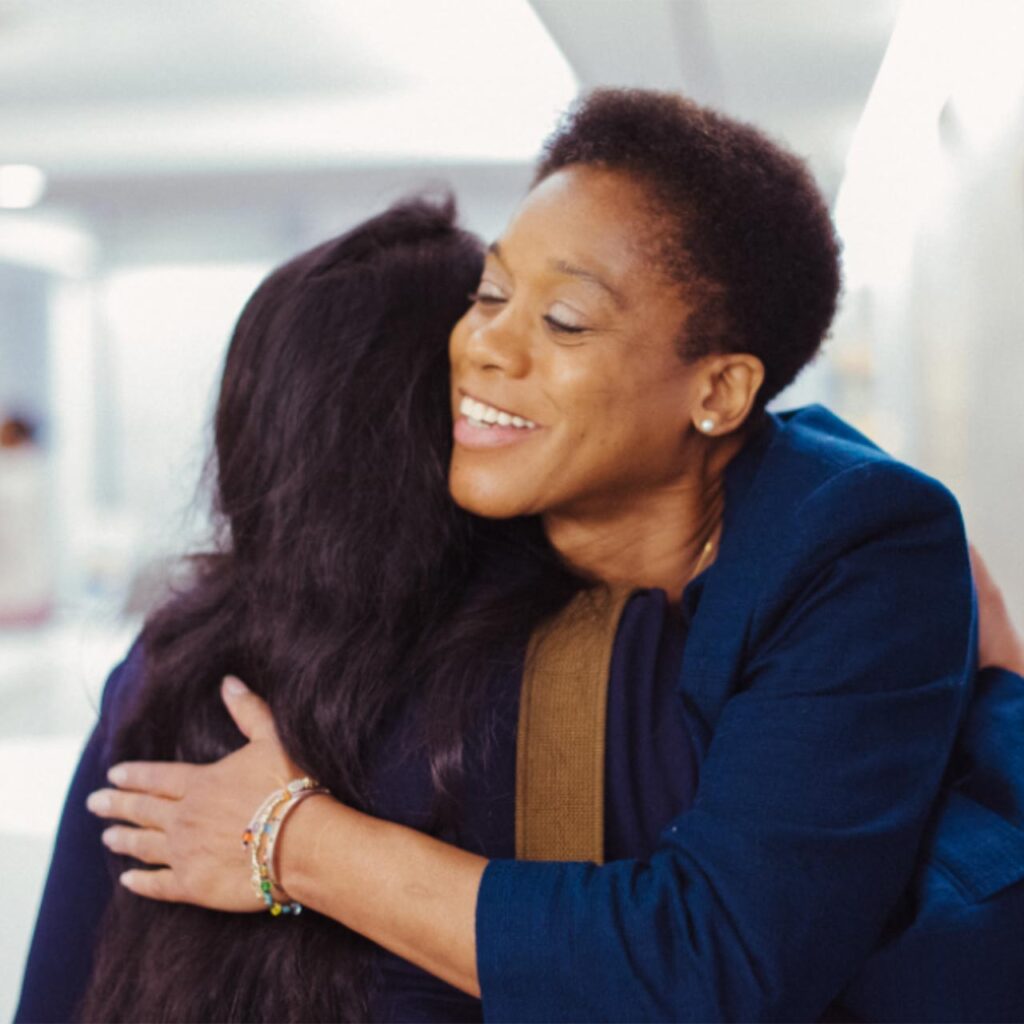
(344, 580)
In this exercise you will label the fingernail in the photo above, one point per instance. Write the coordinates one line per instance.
(98, 802)
(235, 686)
(126, 879)
(117, 775)
(107, 836)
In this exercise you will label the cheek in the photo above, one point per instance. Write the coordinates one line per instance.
(608, 400)
(584, 383)
(460, 333)
(604, 428)
(633, 417)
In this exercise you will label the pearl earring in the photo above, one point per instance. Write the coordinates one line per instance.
(707, 425)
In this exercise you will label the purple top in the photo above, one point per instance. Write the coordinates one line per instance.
(650, 778)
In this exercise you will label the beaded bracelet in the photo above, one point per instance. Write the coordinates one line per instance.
(260, 829)
(286, 807)
(261, 835)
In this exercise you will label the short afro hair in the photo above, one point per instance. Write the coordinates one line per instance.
(748, 234)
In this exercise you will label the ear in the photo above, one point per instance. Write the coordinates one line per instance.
(728, 387)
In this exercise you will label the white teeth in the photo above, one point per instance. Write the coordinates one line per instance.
(481, 415)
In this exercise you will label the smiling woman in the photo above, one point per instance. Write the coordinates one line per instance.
(785, 686)
(576, 330)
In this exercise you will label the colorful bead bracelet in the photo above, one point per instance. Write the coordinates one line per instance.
(260, 838)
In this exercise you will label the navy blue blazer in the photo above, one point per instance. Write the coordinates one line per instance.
(954, 948)
(827, 667)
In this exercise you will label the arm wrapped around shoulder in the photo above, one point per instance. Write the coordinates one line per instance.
(762, 901)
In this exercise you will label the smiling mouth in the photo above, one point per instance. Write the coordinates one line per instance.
(480, 414)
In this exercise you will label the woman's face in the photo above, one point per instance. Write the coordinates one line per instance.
(571, 347)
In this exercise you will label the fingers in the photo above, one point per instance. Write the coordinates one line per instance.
(137, 808)
(154, 885)
(158, 778)
(145, 844)
(250, 713)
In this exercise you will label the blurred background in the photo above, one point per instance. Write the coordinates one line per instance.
(156, 159)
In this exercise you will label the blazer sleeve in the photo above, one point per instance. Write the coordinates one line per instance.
(78, 886)
(959, 957)
(761, 901)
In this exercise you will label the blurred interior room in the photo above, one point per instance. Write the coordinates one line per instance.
(157, 159)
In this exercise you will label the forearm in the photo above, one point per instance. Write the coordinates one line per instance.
(404, 890)
(1014, 661)
(1000, 643)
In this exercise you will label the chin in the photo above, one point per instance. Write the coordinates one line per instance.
(484, 498)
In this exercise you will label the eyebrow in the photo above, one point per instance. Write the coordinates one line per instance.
(564, 267)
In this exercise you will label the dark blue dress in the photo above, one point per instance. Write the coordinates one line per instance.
(650, 778)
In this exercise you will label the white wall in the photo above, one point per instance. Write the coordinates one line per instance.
(932, 211)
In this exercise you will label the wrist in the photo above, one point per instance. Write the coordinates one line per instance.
(299, 844)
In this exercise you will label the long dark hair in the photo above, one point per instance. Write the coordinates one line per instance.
(344, 580)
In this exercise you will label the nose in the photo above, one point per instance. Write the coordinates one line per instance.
(498, 346)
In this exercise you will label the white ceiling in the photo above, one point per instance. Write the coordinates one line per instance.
(800, 69)
(225, 91)
(100, 87)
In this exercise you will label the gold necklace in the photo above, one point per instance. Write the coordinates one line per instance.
(701, 561)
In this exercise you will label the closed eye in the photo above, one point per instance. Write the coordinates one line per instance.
(486, 298)
(563, 328)
(481, 298)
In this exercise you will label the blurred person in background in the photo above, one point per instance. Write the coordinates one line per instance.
(608, 392)
(25, 559)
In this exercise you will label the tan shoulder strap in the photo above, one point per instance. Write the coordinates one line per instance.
(561, 740)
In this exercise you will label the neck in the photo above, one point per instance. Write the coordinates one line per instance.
(654, 539)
